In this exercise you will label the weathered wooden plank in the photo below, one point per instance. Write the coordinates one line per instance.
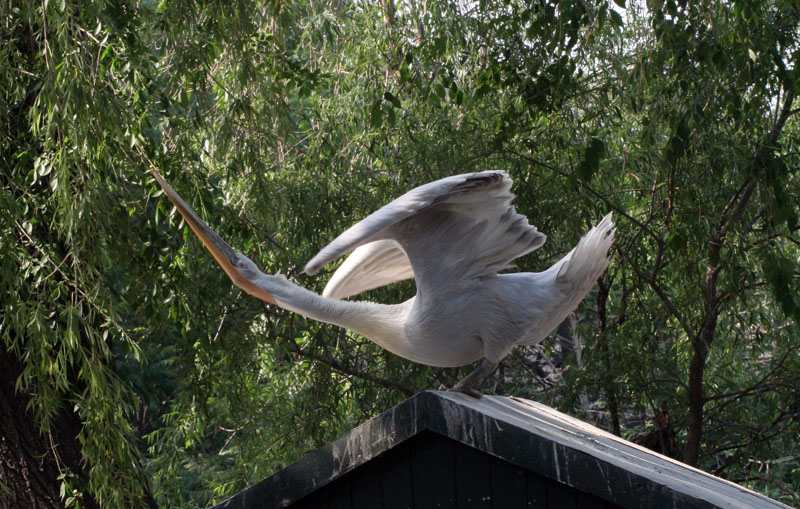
(588, 501)
(560, 496)
(316, 500)
(339, 494)
(508, 484)
(396, 486)
(473, 478)
(365, 486)
(432, 471)
(536, 490)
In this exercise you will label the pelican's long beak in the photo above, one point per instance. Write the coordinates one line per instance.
(224, 254)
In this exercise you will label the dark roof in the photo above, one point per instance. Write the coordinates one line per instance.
(524, 433)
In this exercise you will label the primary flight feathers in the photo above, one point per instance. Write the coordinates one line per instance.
(461, 226)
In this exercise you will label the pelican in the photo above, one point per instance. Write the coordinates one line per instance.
(453, 236)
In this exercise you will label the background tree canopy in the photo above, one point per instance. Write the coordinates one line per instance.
(133, 373)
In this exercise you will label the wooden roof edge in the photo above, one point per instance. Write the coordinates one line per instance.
(336, 458)
(525, 433)
(583, 456)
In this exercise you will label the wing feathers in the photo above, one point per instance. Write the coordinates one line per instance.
(374, 226)
(372, 265)
(457, 227)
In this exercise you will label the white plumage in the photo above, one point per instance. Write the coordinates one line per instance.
(453, 236)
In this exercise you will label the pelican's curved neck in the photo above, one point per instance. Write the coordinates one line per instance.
(382, 323)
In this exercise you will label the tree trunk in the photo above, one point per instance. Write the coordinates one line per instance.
(700, 347)
(387, 6)
(609, 386)
(30, 460)
(697, 367)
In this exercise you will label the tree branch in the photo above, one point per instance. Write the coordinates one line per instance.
(338, 365)
(663, 296)
(786, 112)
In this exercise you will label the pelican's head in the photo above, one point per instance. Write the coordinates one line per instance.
(242, 271)
(246, 267)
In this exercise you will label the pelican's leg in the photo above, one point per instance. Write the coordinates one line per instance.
(469, 385)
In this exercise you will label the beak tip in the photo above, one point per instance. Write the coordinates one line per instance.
(219, 249)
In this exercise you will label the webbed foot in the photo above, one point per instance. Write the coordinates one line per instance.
(469, 391)
(469, 385)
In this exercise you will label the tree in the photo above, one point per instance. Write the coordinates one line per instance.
(718, 201)
(71, 77)
(150, 378)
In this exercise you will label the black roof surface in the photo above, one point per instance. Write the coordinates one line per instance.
(525, 433)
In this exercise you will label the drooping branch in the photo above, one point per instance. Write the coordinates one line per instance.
(665, 299)
(336, 364)
(388, 8)
(786, 112)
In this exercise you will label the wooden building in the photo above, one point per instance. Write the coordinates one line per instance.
(444, 449)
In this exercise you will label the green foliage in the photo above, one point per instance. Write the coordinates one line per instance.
(70, 81)
(282, 124)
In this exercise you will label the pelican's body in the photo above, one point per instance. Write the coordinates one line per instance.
(453, 236)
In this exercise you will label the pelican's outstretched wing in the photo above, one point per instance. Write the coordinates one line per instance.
(372, 265)
(455, 228)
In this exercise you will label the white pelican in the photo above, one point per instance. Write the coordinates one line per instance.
(453, 236)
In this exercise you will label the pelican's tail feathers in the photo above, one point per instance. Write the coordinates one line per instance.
(589, 259)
